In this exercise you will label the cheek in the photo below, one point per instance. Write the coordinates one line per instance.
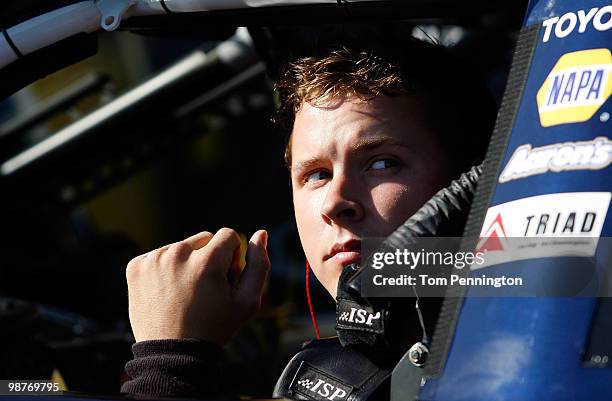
(311, 229)
(308, 219)
(394, 203)
(389, 196)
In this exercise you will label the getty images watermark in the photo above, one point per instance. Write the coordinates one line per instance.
(496, 266)
(412, 259)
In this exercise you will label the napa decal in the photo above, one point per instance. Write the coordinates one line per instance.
(527, 161)
(578, 85)
(561, 27)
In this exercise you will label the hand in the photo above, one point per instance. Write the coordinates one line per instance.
(182, 290)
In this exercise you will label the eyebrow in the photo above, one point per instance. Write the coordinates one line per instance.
(306, 164)
(361, 145)
(370, 143)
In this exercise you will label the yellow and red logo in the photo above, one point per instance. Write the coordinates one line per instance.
(578, 85)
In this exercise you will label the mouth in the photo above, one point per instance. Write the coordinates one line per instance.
(345, 253)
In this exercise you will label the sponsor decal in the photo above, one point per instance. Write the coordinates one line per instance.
(493, 237)
(315, 384)
(351, 315)
(598, 18)
(577, 86)
(553, 225)
(567, 156)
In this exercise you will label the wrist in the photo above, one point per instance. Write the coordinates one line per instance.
(171, 346)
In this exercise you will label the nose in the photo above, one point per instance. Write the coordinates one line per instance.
(341, 204)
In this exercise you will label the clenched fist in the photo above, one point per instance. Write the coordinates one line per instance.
(194, 288)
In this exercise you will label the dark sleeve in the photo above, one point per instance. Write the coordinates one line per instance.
(176, 368)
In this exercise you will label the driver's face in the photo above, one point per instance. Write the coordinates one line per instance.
(359, 168)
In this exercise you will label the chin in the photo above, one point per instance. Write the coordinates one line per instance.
(331, 277)
(332, 289)
(332, 284)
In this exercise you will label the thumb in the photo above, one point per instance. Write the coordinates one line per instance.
(255, 273)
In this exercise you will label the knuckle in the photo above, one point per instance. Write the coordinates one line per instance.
(178, 252)
(227, 238)
(133, 267)
(156, 255)
(229, 233)
(134, 262)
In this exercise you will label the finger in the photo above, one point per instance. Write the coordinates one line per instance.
(256, 271)
(233, 275)
(220, 250)
(199, 240)
(239, 259)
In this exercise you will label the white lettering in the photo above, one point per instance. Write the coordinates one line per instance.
(597, 21)
(584, 19)
(326, 390)
(600, 18)
(588, 155)
(376, 260)
(339, 393)
(361, 316)
(316, 386)
(561, 32)
(415, 259)
(548, 24)
(439, 281)
(389, 258)
(353, 310)
(372, 317)
(323, 389)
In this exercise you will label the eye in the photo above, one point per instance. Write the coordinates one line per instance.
(382, 164)
(317, 176)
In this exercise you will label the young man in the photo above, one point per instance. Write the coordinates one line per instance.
(374, 134)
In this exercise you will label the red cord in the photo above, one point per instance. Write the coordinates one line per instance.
(312, 314)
